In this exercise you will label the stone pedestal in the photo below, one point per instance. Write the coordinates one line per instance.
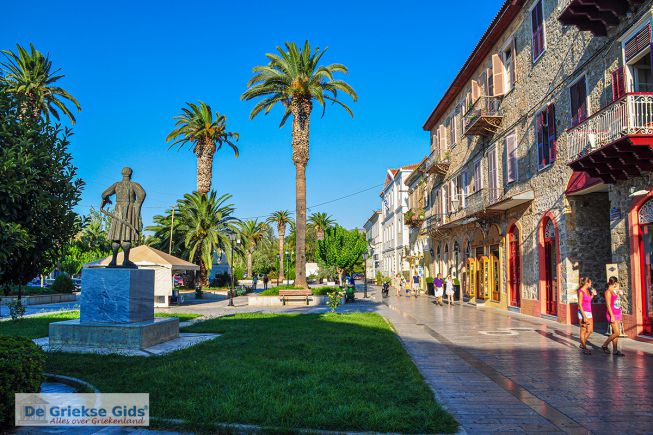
(116, 313)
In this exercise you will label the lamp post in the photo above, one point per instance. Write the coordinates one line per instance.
(233, 238)
(278, 268)
(365, 273)
(287, 274)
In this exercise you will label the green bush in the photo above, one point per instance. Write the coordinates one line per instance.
(21, 371)
(16, 309)
(335, 299)
(63, 284)
(429, 280)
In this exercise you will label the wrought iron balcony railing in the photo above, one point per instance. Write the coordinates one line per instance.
(484, 117)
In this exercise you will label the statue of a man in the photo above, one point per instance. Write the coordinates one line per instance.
(125, 220)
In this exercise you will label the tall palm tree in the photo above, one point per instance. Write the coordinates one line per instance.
(205, 222)
(29, 75)
(320, 222)
(197, 127)
(294, 78)
(163, 227)
(281, 218)
(252, 232)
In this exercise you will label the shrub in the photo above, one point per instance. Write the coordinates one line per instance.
(63, 284)
(335, 299)
(429, 280)
(16, 309)
(21, 371)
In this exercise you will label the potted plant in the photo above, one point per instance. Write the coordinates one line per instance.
(429, 286)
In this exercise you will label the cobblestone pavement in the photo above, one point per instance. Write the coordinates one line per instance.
(498, 371)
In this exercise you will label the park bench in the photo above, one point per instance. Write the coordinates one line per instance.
(286, 295)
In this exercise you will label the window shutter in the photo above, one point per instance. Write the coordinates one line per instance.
(618, 83)
(476, 91)
(498, 77)
(539, 126)
(551, 122)
(511, 151)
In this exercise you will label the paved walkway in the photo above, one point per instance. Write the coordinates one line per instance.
(498, 371)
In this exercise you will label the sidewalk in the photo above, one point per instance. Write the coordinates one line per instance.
(498, 371)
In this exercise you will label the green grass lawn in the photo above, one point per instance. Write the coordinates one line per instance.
(37, 326)
(331, 371)
(317, 291)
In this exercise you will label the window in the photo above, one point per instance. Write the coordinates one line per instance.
(461, 189)
(511, 156)
(509, 66)
(537, 23)
(618, 83)
(490, 81)
(478, 181)
(492, 174)
(445, 199)
(545, 126)
(578, 93)
(454, 195)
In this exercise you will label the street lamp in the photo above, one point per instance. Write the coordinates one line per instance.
(365, 273)
(287, 274)
(233, 238)
(278, 268)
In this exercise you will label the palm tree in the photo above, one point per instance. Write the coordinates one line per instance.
(251, 233)
(162, 228)
(320, 222)
(29, 75)
(281, 218)
(207, 135)
(294, 78)
(205, 220)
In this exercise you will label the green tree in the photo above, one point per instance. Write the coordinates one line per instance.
(295, 79)
(252, 232)
(29, 76)
(282, 219)
(197, 127)
(320, 222)
(341, 249)
(162, 227)
(205, 222)
(38, 191)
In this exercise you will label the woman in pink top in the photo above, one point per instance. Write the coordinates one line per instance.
(585, 295)
(613, 303)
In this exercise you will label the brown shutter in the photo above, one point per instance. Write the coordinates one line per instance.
(498, 76)
(618, 83)
(476, 91)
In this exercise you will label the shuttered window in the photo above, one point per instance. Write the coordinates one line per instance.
(478, 181)
(578, 94)
(638, 43)
(511, 155)
(492, 174)
(545, 125)
(618, 83)
(537, 23)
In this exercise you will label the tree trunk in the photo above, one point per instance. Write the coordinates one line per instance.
(205, 153)
(301, 110)
(204, 275)
(282, 254)
(249, 264)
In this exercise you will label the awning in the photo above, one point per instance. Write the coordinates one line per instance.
(513, 201)
(581, 183)
(147, 256)
(458, 223)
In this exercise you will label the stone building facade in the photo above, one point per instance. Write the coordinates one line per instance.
(373, 236)
(538, 172)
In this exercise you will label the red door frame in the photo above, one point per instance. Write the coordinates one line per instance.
(542, 262)
(514, 264)
(634, 322)
(647, 322)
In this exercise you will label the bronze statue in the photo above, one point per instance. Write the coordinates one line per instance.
(125, 220)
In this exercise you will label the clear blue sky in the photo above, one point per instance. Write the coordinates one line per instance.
(132, 65)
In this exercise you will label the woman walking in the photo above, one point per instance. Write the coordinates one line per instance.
(449, 289)
(585, 295)
(439, 291)
(397, 284)
(613, 304)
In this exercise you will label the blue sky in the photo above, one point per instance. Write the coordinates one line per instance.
(133, 65)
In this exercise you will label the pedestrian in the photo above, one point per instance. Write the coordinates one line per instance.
(585, 295)
(415, 284)
(438, 283)
(449, 289)
(254, 281)
(613, 304)
(397, 284)
(265, 281)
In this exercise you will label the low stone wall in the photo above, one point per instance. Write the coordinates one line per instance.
(42, 299)
(275, 301)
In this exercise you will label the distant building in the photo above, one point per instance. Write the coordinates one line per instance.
(220, 265)
(373, 236)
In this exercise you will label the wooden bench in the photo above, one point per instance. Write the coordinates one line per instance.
(295, 294)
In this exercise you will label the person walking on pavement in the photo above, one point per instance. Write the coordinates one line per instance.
(397, 281)
(613, 314)
(438, 283)
(585, 295)
(254, 281)
(449, 290)
(265, 281)
(416, 285)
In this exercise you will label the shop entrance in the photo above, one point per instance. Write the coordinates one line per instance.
(550, 268)
(514, 283)
(646, 250)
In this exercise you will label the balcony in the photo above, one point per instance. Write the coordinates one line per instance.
(484, 117)
(414, 218)
(596, 16)
(615, 143)
(437, 164)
